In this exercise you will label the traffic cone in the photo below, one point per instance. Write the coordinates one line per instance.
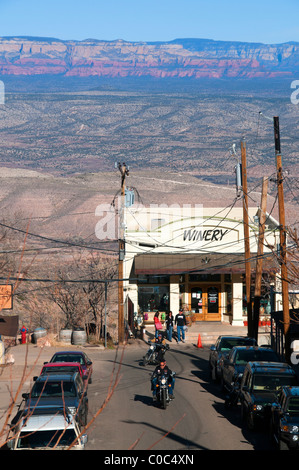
(199, 345)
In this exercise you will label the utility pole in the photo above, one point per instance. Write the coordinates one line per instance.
(124, 171)
(259, 259)
(283, 239)
(246, 239)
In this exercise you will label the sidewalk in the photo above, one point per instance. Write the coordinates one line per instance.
(209, 332)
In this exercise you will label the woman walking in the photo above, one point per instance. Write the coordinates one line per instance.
(169, 325)
(158, 325)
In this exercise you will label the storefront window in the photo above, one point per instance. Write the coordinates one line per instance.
(152, 298)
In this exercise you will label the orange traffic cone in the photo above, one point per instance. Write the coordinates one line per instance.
(199, 345)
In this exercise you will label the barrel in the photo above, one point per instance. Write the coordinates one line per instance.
(38, 333)
(79, 336)
(65, 336)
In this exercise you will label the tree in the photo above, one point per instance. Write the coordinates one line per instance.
(79, 290)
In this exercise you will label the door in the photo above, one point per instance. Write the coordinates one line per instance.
(196, 300)
(213, 304)
(205, 302)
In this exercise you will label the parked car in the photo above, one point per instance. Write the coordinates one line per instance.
(259, 389)
(46, 428)
(58, 390)
(284, 419)
(222, 347)
(75, 356)
(232, 367)
(62, 367)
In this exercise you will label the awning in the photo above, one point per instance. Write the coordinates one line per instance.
(9, 325)
(210, 263)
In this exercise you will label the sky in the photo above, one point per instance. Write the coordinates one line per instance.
(265, 21)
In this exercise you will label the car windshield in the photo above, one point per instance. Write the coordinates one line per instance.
(32, 440)
(293, 405)
(55, 370)
(226, 344)
(244, 356)
(272, 382)
(68, 358)
(53, 389)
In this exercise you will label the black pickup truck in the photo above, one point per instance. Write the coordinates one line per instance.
(259, 389)
(284, 419)
(232, 367)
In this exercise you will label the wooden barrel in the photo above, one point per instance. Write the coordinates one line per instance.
(38, 333)
(79, 336)
(65, 336)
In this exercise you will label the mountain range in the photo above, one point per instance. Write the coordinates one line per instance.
(180, 58)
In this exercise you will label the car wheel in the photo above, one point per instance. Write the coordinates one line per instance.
(250, 421)
(222, 384)
(283, 445)
(243, 413)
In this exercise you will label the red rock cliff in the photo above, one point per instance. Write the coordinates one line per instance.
(180, 58)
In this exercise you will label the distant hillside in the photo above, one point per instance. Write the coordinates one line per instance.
(181, 58)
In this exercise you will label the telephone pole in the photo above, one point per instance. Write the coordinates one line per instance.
(259, 259)
(246, 239)
(283, 239)
(124, 171)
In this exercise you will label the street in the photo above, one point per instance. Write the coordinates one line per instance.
(195, 420)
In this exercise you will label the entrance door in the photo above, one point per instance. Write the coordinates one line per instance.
(196, 300)
(213, 313)
(205, 302)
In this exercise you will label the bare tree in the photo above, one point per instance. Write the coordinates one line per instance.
(79, 290)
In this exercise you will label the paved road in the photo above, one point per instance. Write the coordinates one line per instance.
(195, 420)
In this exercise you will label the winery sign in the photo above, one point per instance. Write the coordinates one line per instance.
(194, 235)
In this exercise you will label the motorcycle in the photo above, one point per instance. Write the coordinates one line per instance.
(162, 393)
(155, 353)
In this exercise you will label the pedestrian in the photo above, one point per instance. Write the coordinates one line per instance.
(169, 325)
(180, 321)
(158, 324)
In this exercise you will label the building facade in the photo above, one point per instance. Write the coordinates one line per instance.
(192, 257)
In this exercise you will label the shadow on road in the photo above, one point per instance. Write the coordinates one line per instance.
(145, 399)
(185, 444)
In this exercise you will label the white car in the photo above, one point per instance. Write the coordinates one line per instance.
(46, 429)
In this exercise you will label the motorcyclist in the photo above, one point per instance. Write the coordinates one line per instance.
(161, 346)
(162, 369)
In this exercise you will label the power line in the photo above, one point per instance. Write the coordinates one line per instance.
(67, 243)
